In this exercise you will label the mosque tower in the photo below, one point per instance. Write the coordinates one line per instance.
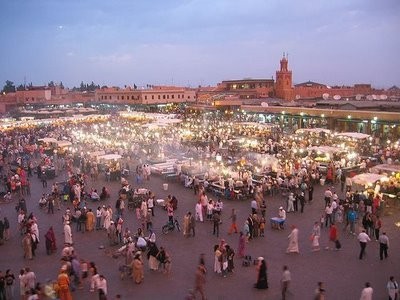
(283, 85)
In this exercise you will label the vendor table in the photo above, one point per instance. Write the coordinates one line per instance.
(277, 223)
(217, 189)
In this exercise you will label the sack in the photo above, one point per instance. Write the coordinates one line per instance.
(338, 244)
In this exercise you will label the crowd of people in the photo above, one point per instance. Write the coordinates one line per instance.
(294, 183)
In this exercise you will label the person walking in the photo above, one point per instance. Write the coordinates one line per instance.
(334, 237)
(233, 227)
(315, 236)
(363, 238)
(242, 245)
(393, 289)
(320, 291)
(50, 241)
(137, 269)
(9, 282)
(216, 220)
(186, 220)
(383, 245)
(262, 279)
(102, 287)
(192, 225)
(366, 292)
(67, 234)
(200, 281)
(293, 241)
(285, 281)
(302, 201)
(63, 283)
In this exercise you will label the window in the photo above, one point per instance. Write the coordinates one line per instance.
(159, 97)
(179, 96)
(122, 97)
(152, 97)
(117, 97)
(167, 96)
(172, 96)
(188, 97)
(163, 96)
(145, 97)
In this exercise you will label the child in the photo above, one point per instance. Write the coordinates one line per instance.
(262, 226)
(322, 220)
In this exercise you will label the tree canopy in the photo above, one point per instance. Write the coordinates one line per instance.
(9, 87)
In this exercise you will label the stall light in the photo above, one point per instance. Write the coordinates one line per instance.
(302, 114)
(283, 112)
(322, 115)
(375, 119)
(349, 117)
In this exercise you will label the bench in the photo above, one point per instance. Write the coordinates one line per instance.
(277, 223)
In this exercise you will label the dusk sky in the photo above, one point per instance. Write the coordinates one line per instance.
(199, 42)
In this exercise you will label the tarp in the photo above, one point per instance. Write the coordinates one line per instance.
(385, 168)
(354, 135)
(367, 178)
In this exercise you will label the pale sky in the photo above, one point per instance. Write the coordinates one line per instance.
(199, 42)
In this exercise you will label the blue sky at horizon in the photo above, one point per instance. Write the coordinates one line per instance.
(199, 42)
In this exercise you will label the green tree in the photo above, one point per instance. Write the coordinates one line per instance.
(9, 87)
(21, 87)
(51, 84)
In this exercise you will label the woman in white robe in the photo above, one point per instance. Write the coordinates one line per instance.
(67, 234)
(107, 219)
(293, 241)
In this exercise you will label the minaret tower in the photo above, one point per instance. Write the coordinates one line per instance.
(283, 85)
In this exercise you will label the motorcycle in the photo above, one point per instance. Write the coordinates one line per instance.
(170, 226)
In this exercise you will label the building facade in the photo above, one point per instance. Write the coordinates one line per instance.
(155, 95)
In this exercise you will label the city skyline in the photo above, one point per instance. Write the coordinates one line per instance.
(191, 43)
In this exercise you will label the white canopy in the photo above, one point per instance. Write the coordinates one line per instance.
(367, 178)
(63, 143)
(109, 157)
(48, 140)
(385, 168)
(325, 149)
(97, 153)
(312, 130)
(354, 135)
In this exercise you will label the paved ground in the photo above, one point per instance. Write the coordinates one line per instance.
(343, 273)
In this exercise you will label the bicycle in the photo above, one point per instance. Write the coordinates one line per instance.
(170, 226)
